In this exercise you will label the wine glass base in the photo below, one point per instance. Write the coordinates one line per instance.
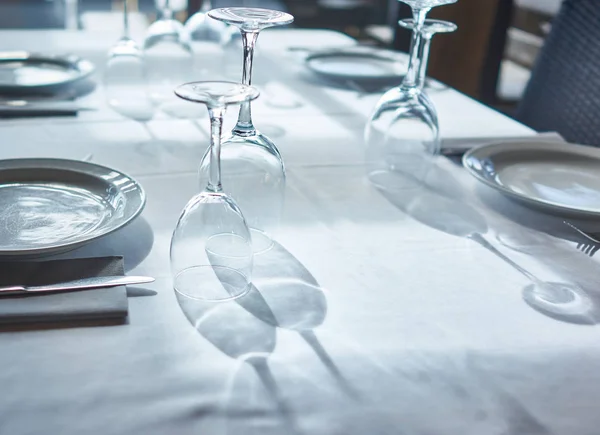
(211, 283)
(569, 304)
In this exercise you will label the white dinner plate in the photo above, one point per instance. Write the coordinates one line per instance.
(24, 72)
(49, 206)
(555, 177)
(357, 63)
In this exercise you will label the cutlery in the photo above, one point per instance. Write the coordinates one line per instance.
(24, 108)
(590, 236)
(79, 284)
(587, 248)
(456, 147)
(324, 48)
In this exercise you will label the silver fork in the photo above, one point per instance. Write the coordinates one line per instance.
(587, 248)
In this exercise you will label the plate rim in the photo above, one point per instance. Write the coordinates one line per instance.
(355, 52)
(63, 247)
(84, 66)
(522, 146)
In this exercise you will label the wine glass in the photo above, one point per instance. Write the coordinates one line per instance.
(169, 59)
(125, 78)
(211, 248)
(200, 27)
(252, 164)
(402, 134)
(166, 27)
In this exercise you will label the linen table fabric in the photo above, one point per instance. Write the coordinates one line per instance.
(365, 318)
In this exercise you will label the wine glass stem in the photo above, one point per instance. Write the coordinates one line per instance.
(244, 126)
(167, 13)
(416, 49)
(216, 127)
(425, 44)
(125, 20)
(206, 6)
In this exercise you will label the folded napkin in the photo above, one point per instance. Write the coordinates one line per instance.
(458, 146)
(105, 303)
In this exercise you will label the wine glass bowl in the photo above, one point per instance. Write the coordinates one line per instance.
(200, 27)
(165, 28)
(211, 252)
(402, 141)
(125, 78)
(252, 164)
(169, 62)
(211, 247)
(402, 134)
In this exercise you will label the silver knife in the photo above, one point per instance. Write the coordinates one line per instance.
(80, 284)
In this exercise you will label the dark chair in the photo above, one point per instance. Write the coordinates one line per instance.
(30, 14)
(563, 94)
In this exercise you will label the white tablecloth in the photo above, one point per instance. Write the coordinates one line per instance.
(374, 316)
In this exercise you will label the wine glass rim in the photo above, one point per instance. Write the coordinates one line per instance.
(427, 3)
(431, 25)
(262, 17)
(189, 91)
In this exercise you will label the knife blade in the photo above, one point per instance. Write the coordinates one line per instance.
(80, 284)
(31, 108)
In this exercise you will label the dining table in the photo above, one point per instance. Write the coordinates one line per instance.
(373, 313)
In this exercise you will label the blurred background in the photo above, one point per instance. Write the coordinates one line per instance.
(489, 58)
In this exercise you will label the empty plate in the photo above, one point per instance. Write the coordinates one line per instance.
(49, 206)
(24, 72)
(555, 177)
(357, 63)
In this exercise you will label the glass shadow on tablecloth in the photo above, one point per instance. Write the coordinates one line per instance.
(289, 297)
(284, 294)
(439, 202)
(243, 337)
(538, 221)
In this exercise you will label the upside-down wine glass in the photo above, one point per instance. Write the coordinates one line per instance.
(211, 248)
(200, 27)
(170, 62)
(125, 78)
(166, 27)
(252, 164)
(402, 134)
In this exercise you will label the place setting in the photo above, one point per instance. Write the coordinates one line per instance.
(558, 180)
(40, 85)
(281, 229)
(51, 207)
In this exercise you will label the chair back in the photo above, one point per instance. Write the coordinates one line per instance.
(563, 94)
